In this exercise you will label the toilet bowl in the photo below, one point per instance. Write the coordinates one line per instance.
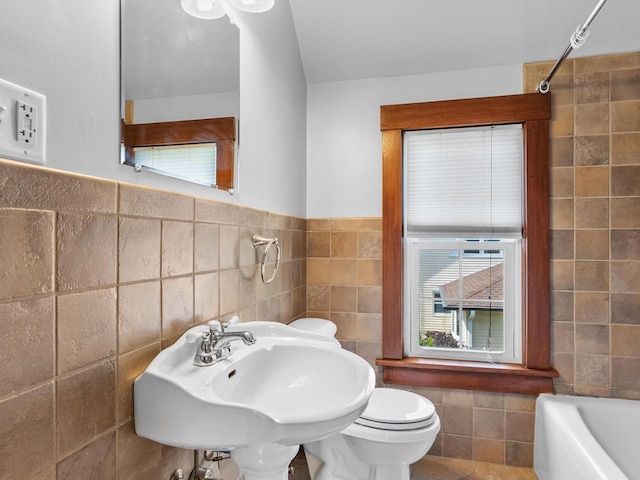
(396, 430)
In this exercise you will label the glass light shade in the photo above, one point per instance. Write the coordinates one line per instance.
(205, 9)
(253, 6)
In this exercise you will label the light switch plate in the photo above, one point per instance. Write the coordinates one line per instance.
(22, 123)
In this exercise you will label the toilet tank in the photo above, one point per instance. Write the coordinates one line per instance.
(317, 325)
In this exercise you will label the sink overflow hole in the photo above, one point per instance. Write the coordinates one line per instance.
(231, 373)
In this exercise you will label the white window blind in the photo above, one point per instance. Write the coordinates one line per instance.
(465, 182)
(193, 162)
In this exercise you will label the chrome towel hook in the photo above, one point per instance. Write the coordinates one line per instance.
(259, 241)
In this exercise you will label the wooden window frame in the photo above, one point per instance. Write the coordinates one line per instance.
(221, 131)
(535, 374)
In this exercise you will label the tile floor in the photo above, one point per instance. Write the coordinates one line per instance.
(441, 468)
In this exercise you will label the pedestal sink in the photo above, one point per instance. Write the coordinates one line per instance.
(261, 403)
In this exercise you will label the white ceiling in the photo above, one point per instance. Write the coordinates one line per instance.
(169, 53)
(350, 39)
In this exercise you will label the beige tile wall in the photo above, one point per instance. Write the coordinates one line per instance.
(595, 198)
(344, 280)
(97, 277)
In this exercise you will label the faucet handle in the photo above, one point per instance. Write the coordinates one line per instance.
(214, 326)
(222, 327)
(233, 321)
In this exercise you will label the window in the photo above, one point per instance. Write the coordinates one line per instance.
(172, 139)
(463, 181)
(479, 307)
(532, 374)
(195, 163)
(437, 307)
(478, 253)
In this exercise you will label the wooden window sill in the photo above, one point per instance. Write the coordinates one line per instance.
(467, 375)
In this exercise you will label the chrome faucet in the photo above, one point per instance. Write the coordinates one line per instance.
(214, 343)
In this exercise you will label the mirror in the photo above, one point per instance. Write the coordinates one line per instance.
(180, 92)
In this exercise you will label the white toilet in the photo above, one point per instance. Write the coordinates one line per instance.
(396, 429)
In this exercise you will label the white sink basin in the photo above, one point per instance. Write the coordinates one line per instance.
(288, 388)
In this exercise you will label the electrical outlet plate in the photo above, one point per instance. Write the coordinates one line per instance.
(22, 123)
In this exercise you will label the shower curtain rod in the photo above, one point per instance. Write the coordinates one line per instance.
(576, 41)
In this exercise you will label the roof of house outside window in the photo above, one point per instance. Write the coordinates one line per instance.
(482, 290)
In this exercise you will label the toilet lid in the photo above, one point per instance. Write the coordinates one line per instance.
(392, 409)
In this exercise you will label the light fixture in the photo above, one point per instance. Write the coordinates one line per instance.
(211, 9)
(205, 9)
(253, 6)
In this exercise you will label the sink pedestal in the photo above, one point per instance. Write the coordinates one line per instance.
(265, 462)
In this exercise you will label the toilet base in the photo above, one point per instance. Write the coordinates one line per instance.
(357, 470)
(391, 472)
(314, 464)
(344, 456)
(335, 460)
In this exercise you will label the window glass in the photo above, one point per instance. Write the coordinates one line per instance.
(463, 306)
(464, 291)
(195, 163)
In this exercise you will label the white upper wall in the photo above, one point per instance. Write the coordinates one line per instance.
(188, 107)
(273, 114)
(344, 143)
(68, 50)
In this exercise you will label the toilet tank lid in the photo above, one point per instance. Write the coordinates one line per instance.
(317, 325)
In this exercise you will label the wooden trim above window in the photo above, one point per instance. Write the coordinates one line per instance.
(466, 112)
(535, 375)
(180, 132)
(222, 131)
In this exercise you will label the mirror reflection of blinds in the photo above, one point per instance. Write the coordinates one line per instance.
(464, 181)
(195, 162)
